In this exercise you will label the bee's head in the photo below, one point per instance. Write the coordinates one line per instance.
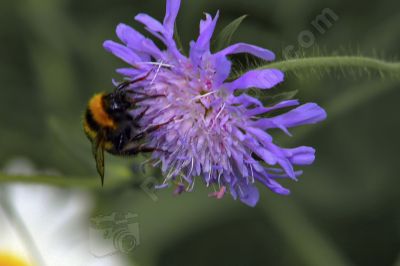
(117, 103)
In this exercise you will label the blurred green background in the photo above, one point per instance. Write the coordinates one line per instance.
(343, 211)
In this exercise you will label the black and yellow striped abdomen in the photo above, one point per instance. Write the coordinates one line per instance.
(97, 121)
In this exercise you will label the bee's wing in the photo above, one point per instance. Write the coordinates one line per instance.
(98, 154)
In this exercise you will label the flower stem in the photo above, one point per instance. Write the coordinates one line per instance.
(384, 67)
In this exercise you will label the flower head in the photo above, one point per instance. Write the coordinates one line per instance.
(210, 130)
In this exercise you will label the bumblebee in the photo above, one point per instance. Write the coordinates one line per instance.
(110, 126)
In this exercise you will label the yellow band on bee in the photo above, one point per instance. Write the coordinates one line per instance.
(89, 132)
(99, 114)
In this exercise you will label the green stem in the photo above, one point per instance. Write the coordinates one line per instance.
(295, 64)
(80, 182)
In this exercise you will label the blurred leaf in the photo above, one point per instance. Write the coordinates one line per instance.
(284, 96)
(224, 38)
(312, 246)
(178, 39)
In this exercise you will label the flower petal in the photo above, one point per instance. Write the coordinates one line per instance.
(238, 158)
(222, 68)
(278, 173)
(246, 100)
(272, 184)
(309, 113)
(127, 34)
(262, 110)
(282, 159)
(301, 155)
(207, 28)
(262, 79)
(130, 72)
(266, 155)
(159, 31)
(150, 22)
(170, 16)
(248, 194)
(288, 167)
(202, 45)
(249, 49)
(135, 40)
(262, 136)
(122, 52)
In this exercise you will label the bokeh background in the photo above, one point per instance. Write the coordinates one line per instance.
(343, 211)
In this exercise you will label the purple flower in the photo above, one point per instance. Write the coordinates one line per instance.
(211, 132)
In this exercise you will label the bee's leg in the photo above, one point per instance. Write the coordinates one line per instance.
(122, 139)
(136, 92)
(125, 84)
(134, 101)
(140, 115)
(147, 97)
(120, 143)
(143, 93)
(138, 149)
(149, 130)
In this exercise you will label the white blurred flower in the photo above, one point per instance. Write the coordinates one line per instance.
(57, 222)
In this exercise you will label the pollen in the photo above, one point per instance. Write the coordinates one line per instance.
(99, 114)
(10, 259)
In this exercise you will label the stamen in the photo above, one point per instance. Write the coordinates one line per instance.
(202, 96)
(165, 108)
(252, 173)
(192, 186)
(143, 165)
(157, 64)
(219, 113)
(172, 170)
(219, 178)
(241, 191)
(209, 173)
(158, 71)
(191, 167)
(156, 163)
